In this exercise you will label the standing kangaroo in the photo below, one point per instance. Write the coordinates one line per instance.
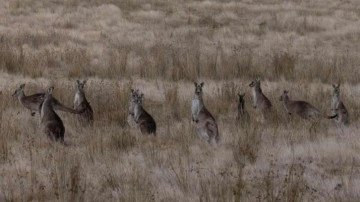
(205, 122)
(341, 115)
(53, 125)
(133, 101)
(80, 102)
(242, 114)
(143, 119)
(33, 102)
(261, 102)
(301, 108)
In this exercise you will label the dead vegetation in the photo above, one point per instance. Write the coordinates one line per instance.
(160, 47)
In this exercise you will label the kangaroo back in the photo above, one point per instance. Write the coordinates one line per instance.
(242, 114)
(147, 124)
(301, 108)
(53, 125)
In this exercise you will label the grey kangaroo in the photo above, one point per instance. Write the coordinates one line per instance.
(53, 125)
(142, 118)
(81, 103)
(33, 102)
(301, 108)
(341, 115)
(204, 121)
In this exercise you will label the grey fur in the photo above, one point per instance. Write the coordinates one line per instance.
(81, 103)
(204, 121)
(301, 108)
(53, 125)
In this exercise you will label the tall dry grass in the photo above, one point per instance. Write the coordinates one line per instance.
(160, 47)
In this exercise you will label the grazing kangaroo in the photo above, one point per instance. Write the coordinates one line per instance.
(143, 119)
(80, 102)
(301, 108)
(261, 102)
(53, 125)
(205, 122)
(341, 115)
(34, 102)
(31, 102)
(242, 114)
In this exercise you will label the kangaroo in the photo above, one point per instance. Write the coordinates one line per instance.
(80, 102)
(205, 122)
(31, 102)
(143, 119)
(34, 102)
(301, 108)
(261, 102)
(53, 125)
(133, 101)
(242, 114)
(341, 115)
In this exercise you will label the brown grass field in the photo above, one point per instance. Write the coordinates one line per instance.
(161, 47)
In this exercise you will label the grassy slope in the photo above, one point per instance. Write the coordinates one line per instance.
(159, 47)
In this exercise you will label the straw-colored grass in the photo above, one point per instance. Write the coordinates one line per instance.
(160, 47)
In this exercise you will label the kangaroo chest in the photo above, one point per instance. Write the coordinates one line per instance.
(334, 103)
(137, 111)
(46, 109)
(78, 99)
(255, 96)
(195, 107)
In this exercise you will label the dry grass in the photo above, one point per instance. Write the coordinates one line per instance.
(160, 47)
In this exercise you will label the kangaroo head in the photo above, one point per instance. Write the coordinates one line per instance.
(49, 92)
(140, 98)
(255, 82)
(19, 90)
(284, 95)
(80, 85)
(336, 89)
(134, 94)
(133, 100)
(198, 88)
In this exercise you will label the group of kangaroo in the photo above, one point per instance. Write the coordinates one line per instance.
(301, 108)
(203, 120)
(207, 126)
(46, 105)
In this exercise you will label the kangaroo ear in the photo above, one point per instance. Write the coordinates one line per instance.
(286, 92)
(22, 86)
(202, 84)
(338, 85)
(132, 90)
(84, 82)
(78, 81)
(195, 84)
